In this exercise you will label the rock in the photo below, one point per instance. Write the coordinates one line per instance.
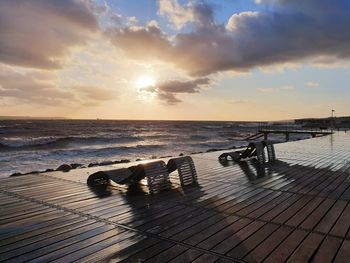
(168, 156)
(64, 168)
(75, 165)
(106, 163)
(213, 150)
(15, 174)
(122, 161)
(153, 157)
(181, 154)
(92, 164)
(49, 170)
(137, 160)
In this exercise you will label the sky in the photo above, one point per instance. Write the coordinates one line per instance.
(232, 60)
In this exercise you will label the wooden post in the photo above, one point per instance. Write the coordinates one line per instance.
(265, 136)
(287, 136)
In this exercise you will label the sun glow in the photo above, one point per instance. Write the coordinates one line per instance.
(145, 81)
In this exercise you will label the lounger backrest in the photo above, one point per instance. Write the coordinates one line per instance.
(186, 169)
(157, 176)
(270, 150)
(260, 153)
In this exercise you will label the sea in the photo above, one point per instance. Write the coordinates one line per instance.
(37, 145)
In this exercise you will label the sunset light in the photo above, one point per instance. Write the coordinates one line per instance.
(175, 131)
(145, 82)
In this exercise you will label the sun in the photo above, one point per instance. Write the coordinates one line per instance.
(144, 82)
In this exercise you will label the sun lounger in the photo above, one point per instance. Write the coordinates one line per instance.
(186, 169)
(156, 174)
(254, 149)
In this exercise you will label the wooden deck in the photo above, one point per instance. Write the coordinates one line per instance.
(294, 210)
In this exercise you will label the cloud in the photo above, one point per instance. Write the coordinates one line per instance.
(176, 86)
(40, 87)
(199, 13)
(235, 102)
(141, 42)
(271, 90)
(97, 94)
(312, 84)
(283, 31)
(287, 87)
(166, 91)
(32, 87)
(168, 98)
(178, 15)
(40, 33)
(266, 90)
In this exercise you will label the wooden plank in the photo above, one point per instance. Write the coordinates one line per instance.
(304, 212)
(168, 254)
(207, 258)
(149, 252)
(328, 250)
(343, 253)
(314, 218)
(237, 237)
(250, 243)
(207, 232)
(85, 246)
(221, 235)
(188, 256)
(112, 250)
(307, 248)
(343, 223)
(52, 243)
(331, 217)
(198, 229)
(15, 242)
(280, 208)
(266, 247)
(287, 247)
(188, 223)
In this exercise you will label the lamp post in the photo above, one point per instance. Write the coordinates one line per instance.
(332, 120)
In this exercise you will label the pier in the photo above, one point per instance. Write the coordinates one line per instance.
(265, 132)
(296, 209)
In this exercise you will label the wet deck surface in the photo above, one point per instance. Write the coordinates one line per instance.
(294, 210)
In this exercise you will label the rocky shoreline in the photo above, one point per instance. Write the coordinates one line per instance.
(68, 167)
(72, 166)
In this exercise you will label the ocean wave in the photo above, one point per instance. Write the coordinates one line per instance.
(37, 142)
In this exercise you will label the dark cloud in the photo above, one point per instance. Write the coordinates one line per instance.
(38, 33)
(168, 98)
(141, 42)
(176, 86)
(166, 91)
(283, 31)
